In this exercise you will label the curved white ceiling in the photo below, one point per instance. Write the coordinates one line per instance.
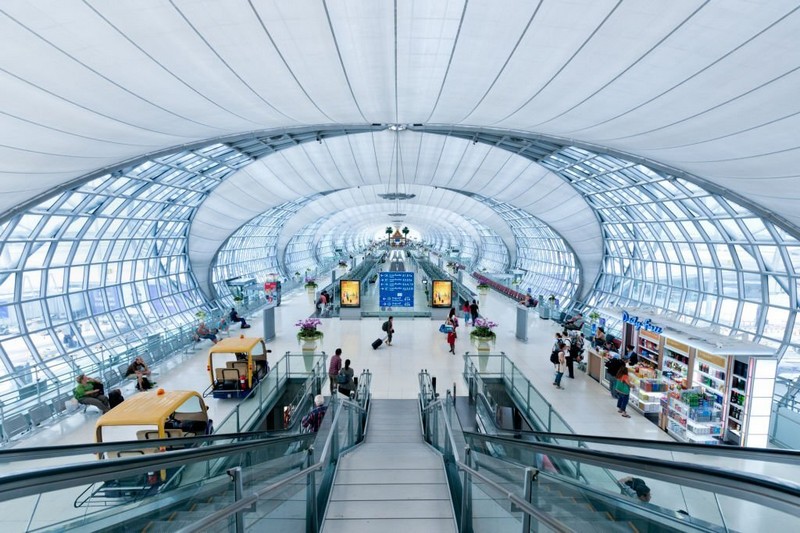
(365, 165)
(707, 87)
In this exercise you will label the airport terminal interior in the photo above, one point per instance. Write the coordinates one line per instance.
(203, 201)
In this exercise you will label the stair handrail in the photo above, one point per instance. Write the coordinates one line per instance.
(247, 502)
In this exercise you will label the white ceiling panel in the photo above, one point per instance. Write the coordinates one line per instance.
(709, 88)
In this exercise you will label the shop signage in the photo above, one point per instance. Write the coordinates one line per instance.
(646, 325)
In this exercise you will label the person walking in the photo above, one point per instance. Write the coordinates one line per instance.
(473, 310)
(345, 379)
(388, 327)
(623, 387)
(560, 366)
(313, 420)
(451, 340)
(465, 310)
(613, 366)
(334, 368)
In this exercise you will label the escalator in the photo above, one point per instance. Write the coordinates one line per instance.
(578, 482)
(214, 472)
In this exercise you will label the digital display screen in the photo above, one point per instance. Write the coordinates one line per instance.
(442, 293)
(350, 293)
(396, 289)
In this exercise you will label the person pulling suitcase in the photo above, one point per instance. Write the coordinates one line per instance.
(387, 327)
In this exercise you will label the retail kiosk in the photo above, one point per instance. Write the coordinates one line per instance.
(698, 386)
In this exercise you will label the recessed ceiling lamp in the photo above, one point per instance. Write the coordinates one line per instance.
(397, 127)
(396, 214)
(396, 195)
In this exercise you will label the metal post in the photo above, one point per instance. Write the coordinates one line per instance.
(312, 520)
(526, 518)
(466, 495)
(238, 492)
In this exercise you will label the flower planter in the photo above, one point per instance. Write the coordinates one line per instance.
(310, 345)
(483, 291)
(482, 345)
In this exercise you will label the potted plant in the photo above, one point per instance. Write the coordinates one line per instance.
(482, 334)
(309, 335)
(388, 234)
(201, 315)
(593, 316)
(483, 288)
(311, 284)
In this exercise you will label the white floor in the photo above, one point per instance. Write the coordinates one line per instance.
(584, 404)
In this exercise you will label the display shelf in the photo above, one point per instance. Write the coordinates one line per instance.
(669, 348)
(646, 358)
(720, 380)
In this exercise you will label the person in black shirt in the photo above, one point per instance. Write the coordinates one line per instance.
(236, 318)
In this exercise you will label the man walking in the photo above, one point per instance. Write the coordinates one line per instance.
(333, 370)
(388, 327)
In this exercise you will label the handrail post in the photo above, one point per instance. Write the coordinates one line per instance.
(238, 493)
(466, 495)
(527, 493)
(312, 520)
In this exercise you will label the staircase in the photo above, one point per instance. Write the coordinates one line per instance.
(393, 482)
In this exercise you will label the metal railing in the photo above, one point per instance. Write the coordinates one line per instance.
(266, 393)
(49, 385)
(497, 462)
(330, 454)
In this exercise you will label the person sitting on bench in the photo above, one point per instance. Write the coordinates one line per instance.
(90, 392)
(139, 369)
(236, 318)
(204, 333)
(574, 322)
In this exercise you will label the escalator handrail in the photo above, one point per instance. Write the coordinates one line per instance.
(521, 504)
(59, 477)
(791, 457)
(776, 494)
(44, 452)
(440, 403)
(251, 499)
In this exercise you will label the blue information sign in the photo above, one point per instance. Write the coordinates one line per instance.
(396, 289)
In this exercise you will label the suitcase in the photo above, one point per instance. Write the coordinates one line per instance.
(377, 344)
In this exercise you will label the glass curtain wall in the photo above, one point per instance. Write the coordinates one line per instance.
(550, 266)
(251, 251)
(103, 264)
(674, 246)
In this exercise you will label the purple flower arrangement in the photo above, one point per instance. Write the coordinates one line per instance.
(482, 330)
(308, 329)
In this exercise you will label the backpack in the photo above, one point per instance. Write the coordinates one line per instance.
(554, 357)
(574, 351)
(385, 326)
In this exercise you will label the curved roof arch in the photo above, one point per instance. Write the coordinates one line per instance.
(682, 84)
(368, 164)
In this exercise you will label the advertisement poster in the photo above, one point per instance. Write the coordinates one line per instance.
(442, 293)
(350, 291)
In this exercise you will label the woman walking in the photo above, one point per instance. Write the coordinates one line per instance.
(623, 387)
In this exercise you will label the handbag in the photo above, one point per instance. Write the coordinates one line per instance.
(445, 328)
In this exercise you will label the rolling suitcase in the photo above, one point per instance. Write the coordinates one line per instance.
(377, 344)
